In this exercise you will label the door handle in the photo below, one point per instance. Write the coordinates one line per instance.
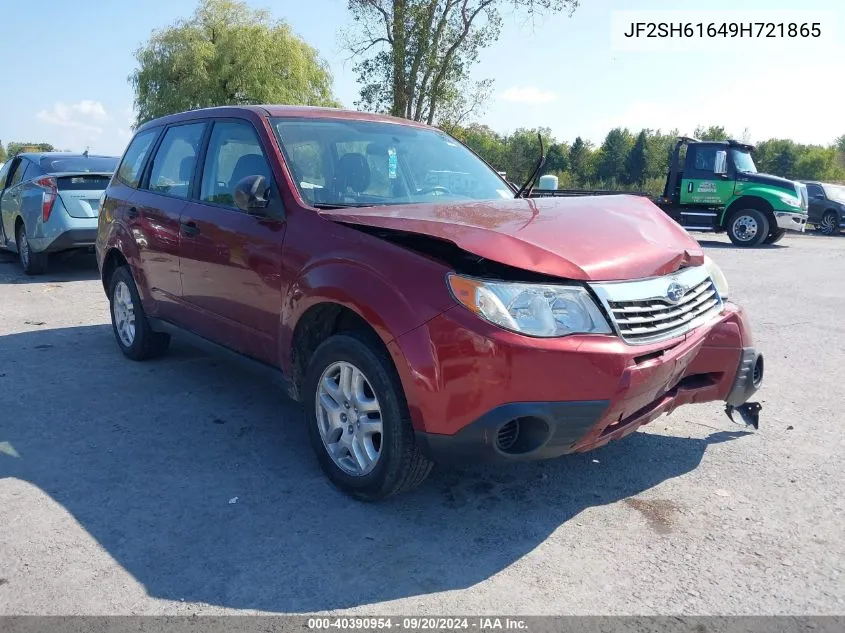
(190, 228)
(132, 213)
(689, 187)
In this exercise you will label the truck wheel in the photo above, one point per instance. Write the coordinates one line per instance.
(748, 227)
(32, 263)
(829, 224)
(775, 236)
(133, 333)
(358, 420)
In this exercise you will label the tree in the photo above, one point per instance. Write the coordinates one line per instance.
(227, 54)
(712, 133)
(2, 153)
(777, 156)
(412, 53)
(579, 161)
(638, 160)
(613, 155)
(14, 148)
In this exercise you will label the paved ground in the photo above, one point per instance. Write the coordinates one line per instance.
(116, 480)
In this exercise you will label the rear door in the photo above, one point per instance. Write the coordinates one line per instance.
(5, 172)
(231, 260)
(154, 212)
(10, 203)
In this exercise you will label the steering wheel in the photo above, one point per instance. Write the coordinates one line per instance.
(436, 189)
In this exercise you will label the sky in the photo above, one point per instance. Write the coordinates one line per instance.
(565, 73)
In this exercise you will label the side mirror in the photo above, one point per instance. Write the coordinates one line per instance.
(720, 168)
(252, 195)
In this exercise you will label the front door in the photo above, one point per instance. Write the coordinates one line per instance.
(816, 202)
(231, 260)
(700, 185)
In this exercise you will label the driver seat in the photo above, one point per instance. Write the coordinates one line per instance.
(353, 173)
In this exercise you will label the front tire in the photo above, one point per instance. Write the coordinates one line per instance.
(775, 236)
(32, 263)
(829, 224)
(748, 227)
(131, 329)
(358, 420)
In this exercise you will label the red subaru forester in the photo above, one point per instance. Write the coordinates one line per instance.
(416, 304)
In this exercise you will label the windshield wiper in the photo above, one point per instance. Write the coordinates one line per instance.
(339, 205)
(528, 187)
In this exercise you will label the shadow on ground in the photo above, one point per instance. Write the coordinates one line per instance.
(147, 456)
(730, 245)
(68, 266)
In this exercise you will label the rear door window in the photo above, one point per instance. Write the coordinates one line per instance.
(17, 174)
(130, 168)
(173, 165)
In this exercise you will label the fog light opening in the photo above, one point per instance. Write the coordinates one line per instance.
(507, 435)
(522, 435)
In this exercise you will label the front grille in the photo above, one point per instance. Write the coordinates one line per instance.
(643, 313)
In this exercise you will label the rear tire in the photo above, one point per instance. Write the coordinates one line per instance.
(399, 464)
(775, 236)
(829, 224)
(748, 227)
(132, 331)
(32, 263)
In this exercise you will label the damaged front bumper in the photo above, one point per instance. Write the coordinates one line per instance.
(748, 379)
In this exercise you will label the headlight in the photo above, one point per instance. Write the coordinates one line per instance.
(532, 309)
(791, 201)
(718, 277)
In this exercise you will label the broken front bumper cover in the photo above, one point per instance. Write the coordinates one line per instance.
(748, 379)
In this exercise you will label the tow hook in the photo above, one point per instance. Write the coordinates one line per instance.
(748, 412)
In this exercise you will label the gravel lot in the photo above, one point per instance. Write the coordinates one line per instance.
(116, 481)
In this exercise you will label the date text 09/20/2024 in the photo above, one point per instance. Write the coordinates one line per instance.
(417, 623)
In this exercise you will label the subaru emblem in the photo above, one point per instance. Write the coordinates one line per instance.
(675, 292)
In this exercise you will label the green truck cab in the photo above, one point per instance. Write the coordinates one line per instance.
(715, 186)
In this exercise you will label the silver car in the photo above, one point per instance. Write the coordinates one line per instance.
(49, 203)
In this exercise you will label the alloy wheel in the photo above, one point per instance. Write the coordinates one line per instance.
(124, 313)
(349, 418)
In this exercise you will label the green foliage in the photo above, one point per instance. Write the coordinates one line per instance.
(414, 56)
(14, 148)
(624, 162)
(227, 54)
(638, 160)
(712, 133)
(613, 156)
(2, 153)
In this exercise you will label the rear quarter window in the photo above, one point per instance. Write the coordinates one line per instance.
(132, 165)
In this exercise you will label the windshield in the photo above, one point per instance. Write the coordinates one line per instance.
(58, 164)
(743, 161)
(834, 192)
(339, 162)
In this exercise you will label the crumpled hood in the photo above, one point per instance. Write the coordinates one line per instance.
(596, 238)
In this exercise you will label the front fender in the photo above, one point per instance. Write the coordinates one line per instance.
(391, 301)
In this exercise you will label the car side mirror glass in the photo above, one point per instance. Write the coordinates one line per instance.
(721, 166)
(252, 195)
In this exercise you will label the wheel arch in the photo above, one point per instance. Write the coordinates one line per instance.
(112, 261)
(749, 202)
(318, 323)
